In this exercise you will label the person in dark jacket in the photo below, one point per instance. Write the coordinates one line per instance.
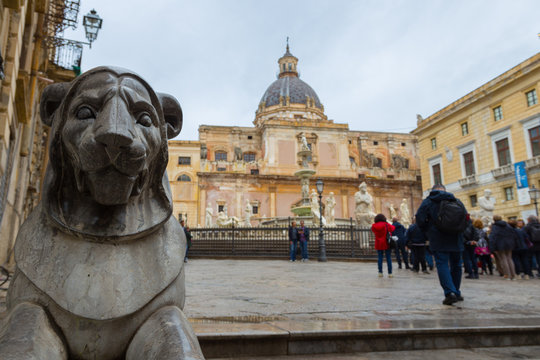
(303, 237)
(520, 254)
(533, 231)
(188, 239)
(445, 246)
(293, 241)
(470, 236)
(502, 240)
(401, 251)
(482, 248)
(416, 241)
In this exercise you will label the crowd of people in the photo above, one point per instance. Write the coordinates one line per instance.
(442, 230)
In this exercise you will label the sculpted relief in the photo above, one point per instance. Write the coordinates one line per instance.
(100, 260)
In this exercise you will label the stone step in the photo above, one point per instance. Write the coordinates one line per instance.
(281, 338)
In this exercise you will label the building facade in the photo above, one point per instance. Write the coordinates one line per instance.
(474, 143)
(29, 61)
(231, 166)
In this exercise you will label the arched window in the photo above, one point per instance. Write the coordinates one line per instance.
(184, 177)
(220, 156)
(290, 66)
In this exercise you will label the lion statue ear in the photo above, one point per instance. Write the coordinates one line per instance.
(51, 98)
(173, 114)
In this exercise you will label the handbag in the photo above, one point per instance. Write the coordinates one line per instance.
(390, 239)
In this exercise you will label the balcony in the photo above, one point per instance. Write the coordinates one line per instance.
(533, 162)
(502, 171)
(468, 181)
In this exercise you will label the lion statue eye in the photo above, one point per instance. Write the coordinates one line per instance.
(85, 113)
(145, 119)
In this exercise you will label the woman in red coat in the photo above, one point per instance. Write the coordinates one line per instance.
(380, 228)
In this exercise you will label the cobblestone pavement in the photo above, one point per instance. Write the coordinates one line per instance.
(264, 290)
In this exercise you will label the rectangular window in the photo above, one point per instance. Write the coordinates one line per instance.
(468, 162)
(465, 129)
(255, 209)
(403, 144)
(254, 171)
(497, 113)
(250, 137)
(509, 193)
(437, 179)
(503, 152)
(309, 158)
(351, 159)
(473, 200)
(220, 208)
(375, 143)
(221, 156)
(249, 157)
(184, 160)
(534, 135)
(433, 144)
(532, 99)
(221, 169)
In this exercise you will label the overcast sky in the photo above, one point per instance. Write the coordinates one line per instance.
(374, 64)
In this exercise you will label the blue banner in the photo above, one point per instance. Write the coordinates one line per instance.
(521, 175)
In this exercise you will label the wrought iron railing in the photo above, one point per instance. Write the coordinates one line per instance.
(66, 53)
(341, 242)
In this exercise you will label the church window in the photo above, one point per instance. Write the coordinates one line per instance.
(283, 67)
(254, 171)
(221, 156)
(184, 160)
(255, 209)
(220, 208)
(250, 137)
(375, 143)
(403, 144)
(249, 157)
(184, 177)
(290, 67)
(377, 163)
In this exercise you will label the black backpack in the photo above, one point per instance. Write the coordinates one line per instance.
(534, 232)
(451, 217)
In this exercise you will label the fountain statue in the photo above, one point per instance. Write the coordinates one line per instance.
(315, 208)
(248, 213)
(405, 214)
(209, 216)
(303, 206)
(364, 206)
(329, 212)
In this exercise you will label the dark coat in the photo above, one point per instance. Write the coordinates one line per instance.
(414, 236)
(188, 236)
(531, 229)
(470, 234)
(399, 232)
(306, 233)
(502, 237)
(293, 233)
(522, 239)
(425, 218)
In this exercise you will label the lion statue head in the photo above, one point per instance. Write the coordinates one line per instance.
(106, 175)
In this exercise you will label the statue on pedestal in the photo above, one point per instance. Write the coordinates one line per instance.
(248, 213)
(209, 217)
(405, 214)
(329, 212)
(99, 262)
(364, 206)
(315, 208)
(392, 211)
(225, 221)
(487, 205)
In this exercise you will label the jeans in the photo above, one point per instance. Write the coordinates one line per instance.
(303, 247)
(535, 263)
(449, 270)
(470, 261)
(522, 261)
(419, 253)
(429, 257)
(292, 250)
(388, 254)
(401, 252)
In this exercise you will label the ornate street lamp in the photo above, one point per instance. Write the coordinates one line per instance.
(92, 23)
(534, 193)
(322, 245)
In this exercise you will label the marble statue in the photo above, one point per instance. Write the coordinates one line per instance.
(314, 201)
(209, 217)
(99, 262)
(248, 213)
(329, 211)
(392, 211)
(405, 214)
(305, 146)
(487, 205)
(223, 220)
(305, 187)
(364, 206)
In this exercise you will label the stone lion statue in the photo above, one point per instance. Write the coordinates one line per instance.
(99, 270)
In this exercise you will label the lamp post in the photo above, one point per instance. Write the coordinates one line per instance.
(322, 245)
(92, 23)
(534, 193)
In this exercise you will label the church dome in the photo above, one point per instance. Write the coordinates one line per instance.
(288, 87)
(297, 91)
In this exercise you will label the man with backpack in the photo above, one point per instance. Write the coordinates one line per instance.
(533, 232)
(443, 218)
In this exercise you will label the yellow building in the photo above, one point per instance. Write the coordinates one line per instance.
(28, 63)
(231, 166)
(472, 144)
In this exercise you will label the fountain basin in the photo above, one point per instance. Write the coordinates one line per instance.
(304, 173)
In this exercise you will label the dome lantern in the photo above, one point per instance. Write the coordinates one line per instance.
(287, 63)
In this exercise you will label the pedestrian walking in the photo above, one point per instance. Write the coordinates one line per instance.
(382, 230)
(293, 241)
(443, 219)
(303, 236)
(416, 241)
(482, 248)
(187, 232)
(470, 238)
(502, 240)
(520, 254)
(401, 251)
(533, 231)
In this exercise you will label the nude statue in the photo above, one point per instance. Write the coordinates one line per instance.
(392, 211)
(209, 216)
(364, 206)
(405, 214)
(315, 208)
(329, 212)
(248, 213)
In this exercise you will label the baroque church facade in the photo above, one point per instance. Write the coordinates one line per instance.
(230, 166)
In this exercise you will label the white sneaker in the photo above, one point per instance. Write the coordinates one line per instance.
(380, 275)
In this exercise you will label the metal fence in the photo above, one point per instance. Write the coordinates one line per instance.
(341, 242)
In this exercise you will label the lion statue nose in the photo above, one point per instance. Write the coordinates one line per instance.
(113, 138)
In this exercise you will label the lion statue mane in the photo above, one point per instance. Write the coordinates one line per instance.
(99, 262)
